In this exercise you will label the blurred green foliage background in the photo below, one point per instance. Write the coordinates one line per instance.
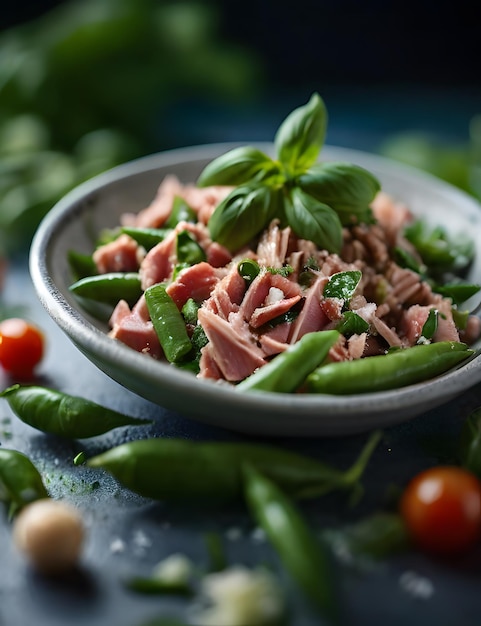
(85, 87)
(93, 83)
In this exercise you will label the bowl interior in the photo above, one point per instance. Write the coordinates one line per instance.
(75, 222)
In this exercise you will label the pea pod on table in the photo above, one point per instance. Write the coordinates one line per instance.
(20, 481)
(212, 471)
(469, 450)
(58, 413)
(306, 558)
(402, 367)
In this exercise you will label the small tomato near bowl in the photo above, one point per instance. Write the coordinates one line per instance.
(22, 347)
(441, 508)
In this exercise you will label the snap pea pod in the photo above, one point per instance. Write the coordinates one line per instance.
(288, 370)
(306, 558)
(146, 237)
(109, 288)
(20, 481)
(213, 470)
(395, 369)
(469, 449)
(168, 323)
(57, 413)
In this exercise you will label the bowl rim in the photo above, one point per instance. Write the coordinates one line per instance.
(92, 340)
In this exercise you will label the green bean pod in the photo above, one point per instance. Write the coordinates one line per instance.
(395, 369)
(146, 237)
(109, 288)
(178, 469)
(57, 413)
(305, 557)
(469, 448)
(288, 370)
(20, 481)
(168, 323)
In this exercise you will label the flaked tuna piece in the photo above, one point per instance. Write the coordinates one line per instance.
(413, 321)
(227, 294)
(387, 333)
(273, 245)
(236, 355)
(391, 216)
(446, 329)
(121, 255)
(312, 317)
(158, 211)
(207, 365)
(275, 340)
(259, 289)
(267, 313)
(158, 262)
(407, 287)
(472, 332)
(332, 308)
(204, 200)
(134, 328)
(356, 345)
(217, 255)
(196, 282)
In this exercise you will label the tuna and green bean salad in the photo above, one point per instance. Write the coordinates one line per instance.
(285, 273)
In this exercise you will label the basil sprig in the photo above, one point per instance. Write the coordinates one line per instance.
(315, 199)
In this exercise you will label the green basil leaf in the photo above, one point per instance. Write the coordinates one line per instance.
(236, 167)
(188, 251)
(352, 324)
(181, 212)
(347, 188)
(301, 136)
(242, 215)
(430, 326)
(313, 220)
(342, 285)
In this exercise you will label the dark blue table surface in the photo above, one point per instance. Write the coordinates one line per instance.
(128, 535)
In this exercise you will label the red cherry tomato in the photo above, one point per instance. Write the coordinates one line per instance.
(21, 347)
(441, 508)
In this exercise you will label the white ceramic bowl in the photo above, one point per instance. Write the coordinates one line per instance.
(76, 220)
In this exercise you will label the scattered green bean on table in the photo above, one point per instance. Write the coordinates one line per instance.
(212, 471)
(20, 481)
(58, 413)
(305, 557)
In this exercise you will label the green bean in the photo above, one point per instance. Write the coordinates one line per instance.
(146, 237)
(109, 288)
(288, 370)
(181, 212)
(168, 323)
(248, 269)
(57, 413)
(188, 250)
(82, 265)
(395, 369)
(20, 481)
(306, 558)
(213, 470)
(469, 449)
